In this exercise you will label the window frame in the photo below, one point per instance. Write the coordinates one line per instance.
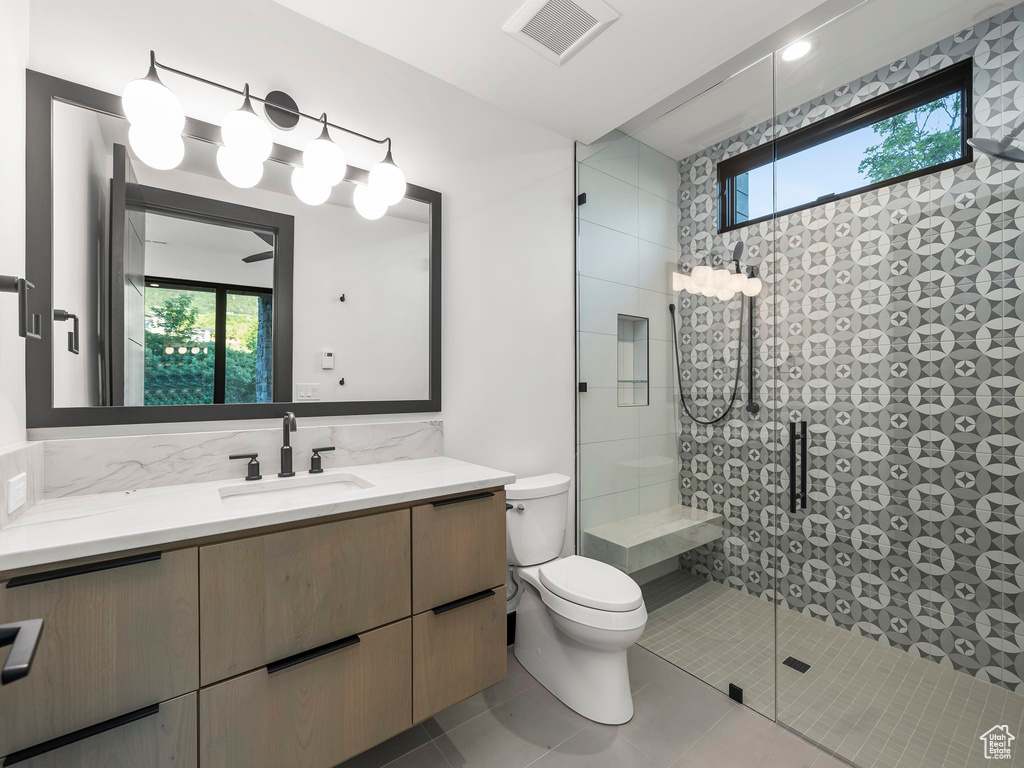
(220, 291)
(943, 82)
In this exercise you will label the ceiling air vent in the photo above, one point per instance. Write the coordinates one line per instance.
(558, 29)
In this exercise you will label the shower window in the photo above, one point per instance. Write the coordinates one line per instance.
(916, 129)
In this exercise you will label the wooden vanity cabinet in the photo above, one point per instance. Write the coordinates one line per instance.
(457, 651)
(273, 596)
(316, 713)
(458, 548)
(118, 635)
(317, 641)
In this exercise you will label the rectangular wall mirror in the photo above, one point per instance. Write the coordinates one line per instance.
(176, 296)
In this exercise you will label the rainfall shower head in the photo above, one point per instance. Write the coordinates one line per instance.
(1004, 149)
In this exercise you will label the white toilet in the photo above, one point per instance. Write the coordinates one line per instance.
(576, 616)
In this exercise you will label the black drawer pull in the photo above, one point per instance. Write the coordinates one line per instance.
(474, 497)
(323, 650)
(85, 733)
(23, 637)
(464, 601)
(78, 570)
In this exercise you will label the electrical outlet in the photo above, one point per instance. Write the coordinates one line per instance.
(307, 391)
(17, 492)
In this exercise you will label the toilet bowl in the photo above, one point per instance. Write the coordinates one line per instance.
(576, 617)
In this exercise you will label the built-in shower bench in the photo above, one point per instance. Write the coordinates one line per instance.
(637, 542)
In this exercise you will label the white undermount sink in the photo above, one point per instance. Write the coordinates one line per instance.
(301, 490)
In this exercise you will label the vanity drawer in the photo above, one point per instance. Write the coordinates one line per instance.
(162, 736)
(273, 596)
(458, 548)
(457, 650)
(118, 635)
(316, 713)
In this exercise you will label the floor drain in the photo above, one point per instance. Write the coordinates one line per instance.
(799, 666)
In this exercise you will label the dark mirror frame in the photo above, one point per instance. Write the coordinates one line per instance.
(42, 91)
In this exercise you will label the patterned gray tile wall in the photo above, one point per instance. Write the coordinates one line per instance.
(893, 322)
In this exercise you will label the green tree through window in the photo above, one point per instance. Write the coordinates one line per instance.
(919, 138)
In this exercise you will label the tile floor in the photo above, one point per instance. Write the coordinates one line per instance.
(871, 704)
(679, 722)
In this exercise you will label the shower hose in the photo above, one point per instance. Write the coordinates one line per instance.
(679, 374)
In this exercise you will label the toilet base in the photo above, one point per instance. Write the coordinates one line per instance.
(585, 668)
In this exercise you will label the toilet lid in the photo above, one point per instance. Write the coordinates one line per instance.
(591, 583)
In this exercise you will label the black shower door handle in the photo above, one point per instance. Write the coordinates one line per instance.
(803, 465)
(794, 494)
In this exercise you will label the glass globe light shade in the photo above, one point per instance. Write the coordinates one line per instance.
(700, 275)
(244, 132)
(720, 278)
(149, 103)
(725, 293)
(155, 147)
(708, 290)
(310, 188)
(752, 287)
(736, 281)
(324, 159)
(238, 168)
(693, 288)
(679, 282)
(369, 203)
(387, 180)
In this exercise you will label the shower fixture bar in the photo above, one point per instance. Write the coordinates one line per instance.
(751, 305)
(273, 104)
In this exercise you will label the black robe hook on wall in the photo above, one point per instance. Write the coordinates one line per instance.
(30, 326)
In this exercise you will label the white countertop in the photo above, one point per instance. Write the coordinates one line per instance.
(86, 526)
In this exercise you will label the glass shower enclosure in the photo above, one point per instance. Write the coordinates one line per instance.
(823, 506)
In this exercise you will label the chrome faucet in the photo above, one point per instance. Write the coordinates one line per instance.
(286, 449)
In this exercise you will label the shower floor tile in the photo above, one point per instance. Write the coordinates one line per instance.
(869, 703)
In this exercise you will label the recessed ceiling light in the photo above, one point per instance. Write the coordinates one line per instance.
(796, 50)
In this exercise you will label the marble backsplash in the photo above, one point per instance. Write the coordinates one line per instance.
(80, 466)
(15, 459)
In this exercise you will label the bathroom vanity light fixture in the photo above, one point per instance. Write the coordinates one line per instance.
(157, 120)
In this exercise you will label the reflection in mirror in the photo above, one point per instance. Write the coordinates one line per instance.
(191, 291)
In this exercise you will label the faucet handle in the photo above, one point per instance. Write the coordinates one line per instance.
(254, 465)
(316, 464)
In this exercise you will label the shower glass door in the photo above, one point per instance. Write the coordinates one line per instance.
(686, 507)
(900, 346)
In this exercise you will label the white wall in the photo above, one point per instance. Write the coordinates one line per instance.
(507, 184)
(14, 42)
(81, 168)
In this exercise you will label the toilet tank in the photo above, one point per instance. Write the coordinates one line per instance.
(535, 533)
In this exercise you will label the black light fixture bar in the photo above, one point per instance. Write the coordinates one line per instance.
(322, 119)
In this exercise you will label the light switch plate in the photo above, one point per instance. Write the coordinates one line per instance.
(307, 391)
(17, 492)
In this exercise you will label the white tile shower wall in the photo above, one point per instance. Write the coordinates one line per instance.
(109, 464)
(16, 459)
(898, 316)
(628, 455)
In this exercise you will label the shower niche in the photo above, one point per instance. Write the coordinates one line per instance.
(633, 361)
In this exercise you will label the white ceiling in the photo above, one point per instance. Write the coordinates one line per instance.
(866, 38)
(655, 48)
